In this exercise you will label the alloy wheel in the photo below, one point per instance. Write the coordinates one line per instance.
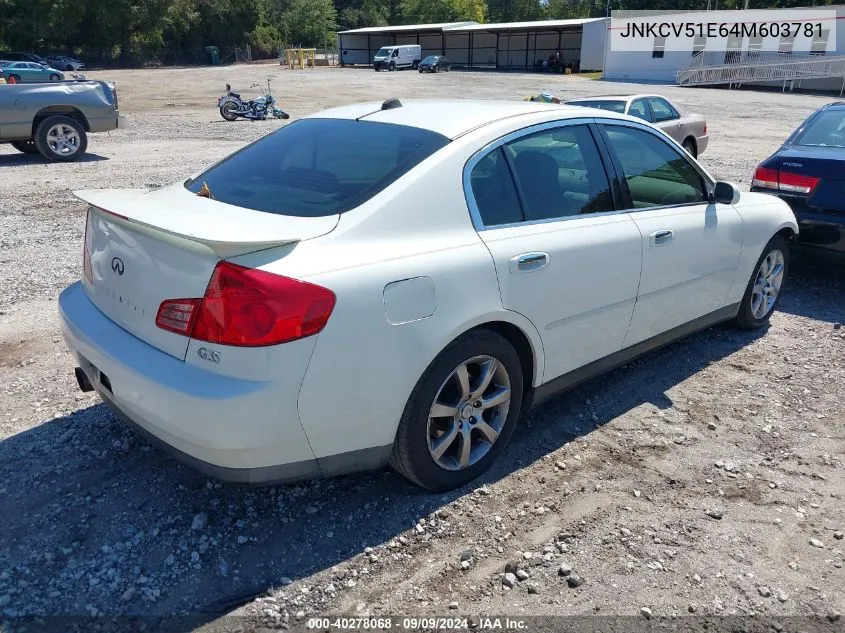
(63, 139)
(767, 283)
(468, 413)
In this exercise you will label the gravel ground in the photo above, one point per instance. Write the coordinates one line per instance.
(705, 478)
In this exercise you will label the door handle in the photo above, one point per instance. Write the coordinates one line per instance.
(528, 262)
(661, 238)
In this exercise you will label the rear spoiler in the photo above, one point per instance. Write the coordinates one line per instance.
(225, 229)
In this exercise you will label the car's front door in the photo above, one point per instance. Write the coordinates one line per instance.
(565, 258)
(690, 246)
(666, 118)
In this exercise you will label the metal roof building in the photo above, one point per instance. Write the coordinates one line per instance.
(505, 46)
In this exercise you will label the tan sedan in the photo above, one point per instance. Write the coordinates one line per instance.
(689, 130)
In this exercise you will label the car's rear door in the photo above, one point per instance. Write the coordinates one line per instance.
(667, 118)
(690, 246)
(543, 202)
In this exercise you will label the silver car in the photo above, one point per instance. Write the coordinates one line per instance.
(688, 129)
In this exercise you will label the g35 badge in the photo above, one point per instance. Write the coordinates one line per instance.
(212, 356)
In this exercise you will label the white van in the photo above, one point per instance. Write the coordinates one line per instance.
(393, 57)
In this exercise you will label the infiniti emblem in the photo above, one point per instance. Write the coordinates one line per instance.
(117, 265)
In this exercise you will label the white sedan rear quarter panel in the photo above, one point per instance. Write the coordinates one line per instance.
(364, 368)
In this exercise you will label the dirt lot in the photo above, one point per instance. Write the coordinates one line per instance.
(706, 478)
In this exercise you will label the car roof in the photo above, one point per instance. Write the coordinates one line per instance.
(621, 97)
(451, 117)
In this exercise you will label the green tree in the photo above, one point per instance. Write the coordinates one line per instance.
(311, 22)
(434, 11)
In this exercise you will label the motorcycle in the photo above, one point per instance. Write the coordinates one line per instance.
(232, 106)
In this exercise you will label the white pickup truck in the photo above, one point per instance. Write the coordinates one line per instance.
(54, 119)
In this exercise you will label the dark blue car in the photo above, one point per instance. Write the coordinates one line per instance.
(808, 172)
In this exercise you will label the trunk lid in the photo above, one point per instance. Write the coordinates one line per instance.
(825, 163)
(149, 246)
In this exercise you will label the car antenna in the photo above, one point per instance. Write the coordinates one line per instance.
(391, 103)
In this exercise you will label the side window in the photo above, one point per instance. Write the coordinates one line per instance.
(662, 110)
(396, 53)
(657, 174)
(494, 191)
(560, 173)
(639, 109)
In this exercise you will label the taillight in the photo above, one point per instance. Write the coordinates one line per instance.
(784, 181)
(87, 269)
(765, 177)
(705, 129)
(249, 308)
(177, 315)
(797, 183)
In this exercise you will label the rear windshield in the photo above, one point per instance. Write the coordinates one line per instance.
(318, 167)
(825, 130)
(613, 106)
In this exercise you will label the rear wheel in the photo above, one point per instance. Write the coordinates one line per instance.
(54, 77)
(61, 138)
(229, 111)
(27, 147)
(763, 292)
(415, 65)
(461, 413)
(689, 145)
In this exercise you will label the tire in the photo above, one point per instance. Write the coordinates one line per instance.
(68, 67)
(69, 129)
(415, 65)
(760, 286)
(437, 69)
(229, 111)
(689, 146)
(417, 435)
(54, 77)
(17, 78)
(392, 66)
(27, 147)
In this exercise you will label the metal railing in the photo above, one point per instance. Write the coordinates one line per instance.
(740, 67)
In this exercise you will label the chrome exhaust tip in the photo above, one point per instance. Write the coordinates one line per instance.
(82, 380)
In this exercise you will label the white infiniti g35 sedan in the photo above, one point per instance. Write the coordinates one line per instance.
(395, 283)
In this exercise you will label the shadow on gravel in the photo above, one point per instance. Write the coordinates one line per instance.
(95, 521)
(18, 160)
(816, 285)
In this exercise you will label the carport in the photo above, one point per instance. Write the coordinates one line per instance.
(358, 46)
(519, 45)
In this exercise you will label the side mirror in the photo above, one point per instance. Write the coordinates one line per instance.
(725, 193)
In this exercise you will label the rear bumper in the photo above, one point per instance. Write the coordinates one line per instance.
(236, 430)
(701, 143)
(815, 229)
(105, 122)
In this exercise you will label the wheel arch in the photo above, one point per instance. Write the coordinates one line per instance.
(691, 139)
(520, 333)
(66, 110)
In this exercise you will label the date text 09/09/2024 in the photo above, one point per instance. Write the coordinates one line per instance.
(417, 623)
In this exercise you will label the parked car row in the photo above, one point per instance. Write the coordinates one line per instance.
(28, 67)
